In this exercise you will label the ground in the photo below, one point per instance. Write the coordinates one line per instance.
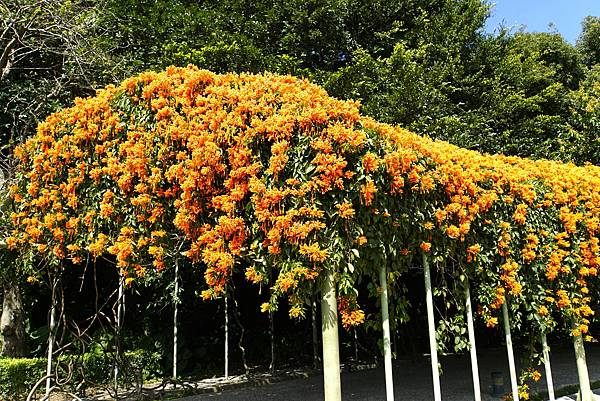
(412, 380)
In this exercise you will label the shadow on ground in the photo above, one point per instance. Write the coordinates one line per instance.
(412, 380)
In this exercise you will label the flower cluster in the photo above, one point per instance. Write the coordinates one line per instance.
(350, 312)
(263, 167)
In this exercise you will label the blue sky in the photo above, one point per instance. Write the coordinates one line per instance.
(537, 14)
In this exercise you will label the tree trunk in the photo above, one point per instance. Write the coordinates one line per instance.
(51, 334)
(6, 58)
(355, 346)
(331, 347)
(12, 321)
(548, 368)
(119, 323)
(236, 317)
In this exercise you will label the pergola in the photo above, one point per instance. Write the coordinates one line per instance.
(270, 173)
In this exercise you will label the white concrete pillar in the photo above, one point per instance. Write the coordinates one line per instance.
(385, 323)
(437, 393)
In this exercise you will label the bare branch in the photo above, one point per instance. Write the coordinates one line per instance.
(4, 34)
(5, 62)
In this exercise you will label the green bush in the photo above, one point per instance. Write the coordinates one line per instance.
(136, 365)
(98, 366)
(18, 375)
(143, 364)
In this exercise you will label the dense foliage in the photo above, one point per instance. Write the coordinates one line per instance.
(18, 376)
(426, 65)
(50, 51)
(270, 173)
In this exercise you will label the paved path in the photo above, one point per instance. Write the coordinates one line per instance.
(412, 380)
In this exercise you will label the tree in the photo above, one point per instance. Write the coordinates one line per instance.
(585, 118)
(425, 65)
(588, 43)
(514, 97)
(12, 317)
(287, 36)
(51, 51)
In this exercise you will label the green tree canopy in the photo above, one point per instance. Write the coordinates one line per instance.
(589, 40)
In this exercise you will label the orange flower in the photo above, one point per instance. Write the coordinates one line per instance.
(520, 214)
(11, 242)
(296, 311)
(440, 216)
(253, 276)
(368, 192)
(352, 318)
(345, 210)
(499, 298)
(472, 252)
(453, 232)
(563, 299)
(314, 252)
(97, 247)
(349, 311)
(370, 162)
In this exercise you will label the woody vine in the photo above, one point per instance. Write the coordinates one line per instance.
(269, 174)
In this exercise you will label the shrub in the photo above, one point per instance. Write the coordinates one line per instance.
(18, 375)
(136, 366)
(142, 365)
